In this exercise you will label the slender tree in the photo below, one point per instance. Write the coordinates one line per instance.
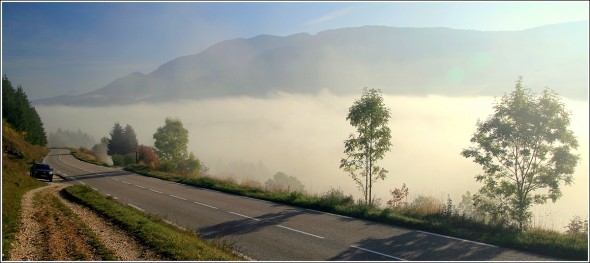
(370, 117)
(525, 147)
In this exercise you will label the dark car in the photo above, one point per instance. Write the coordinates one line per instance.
(42, 170)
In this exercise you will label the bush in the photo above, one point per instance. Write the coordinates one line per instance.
(146, 156)
(123, 160)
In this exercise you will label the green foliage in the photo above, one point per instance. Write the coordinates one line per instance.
(19, 113)
(171, 141)
(369, 116)
(123, 159)
(524, 148)
(189, 166)
(282, 181)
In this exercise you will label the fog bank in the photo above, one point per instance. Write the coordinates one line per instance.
(303, 135)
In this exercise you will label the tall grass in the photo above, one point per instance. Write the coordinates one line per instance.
(429, 214)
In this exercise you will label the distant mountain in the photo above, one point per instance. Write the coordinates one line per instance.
(406, 61)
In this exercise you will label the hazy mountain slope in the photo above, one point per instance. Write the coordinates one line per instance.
(409, 61)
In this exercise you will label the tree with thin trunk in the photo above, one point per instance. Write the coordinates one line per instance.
(525, 149)
(370, 117)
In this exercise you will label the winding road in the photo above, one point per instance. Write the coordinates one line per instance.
(268, 231)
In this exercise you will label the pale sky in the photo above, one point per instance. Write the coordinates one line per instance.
(61, 48)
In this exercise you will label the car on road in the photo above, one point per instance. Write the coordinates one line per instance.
(42, 170)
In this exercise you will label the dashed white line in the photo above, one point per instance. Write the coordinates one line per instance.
(243, 216)
(378, 253)
(178, 197)
(210, 206)
(125, 182)
(83, 183)
(299, 231)
(155, 191)
(94, 189)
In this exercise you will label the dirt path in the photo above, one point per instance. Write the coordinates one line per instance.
(54, 228)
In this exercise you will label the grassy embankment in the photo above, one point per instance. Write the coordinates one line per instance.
(545, 242)
(17, 156)
(163, 238)
(86, 156)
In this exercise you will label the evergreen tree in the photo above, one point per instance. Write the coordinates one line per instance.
(116, 143)
(19, 113)
(129, 139)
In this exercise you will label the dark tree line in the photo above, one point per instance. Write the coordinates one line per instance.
(18, 112)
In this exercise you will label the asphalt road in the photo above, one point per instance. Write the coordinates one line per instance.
(264, 230)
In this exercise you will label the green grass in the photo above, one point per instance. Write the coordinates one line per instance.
(16, 182)
(163, 238)
(542, 242)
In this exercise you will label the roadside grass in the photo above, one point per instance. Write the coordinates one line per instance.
(152, 231)
(86, 156)
(544, 242)
(17, 156)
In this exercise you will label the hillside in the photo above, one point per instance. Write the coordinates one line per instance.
(17, 154)
(404, 61)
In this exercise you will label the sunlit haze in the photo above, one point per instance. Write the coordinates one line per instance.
(57, 48)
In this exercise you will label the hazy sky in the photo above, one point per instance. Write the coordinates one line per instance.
(62, 48)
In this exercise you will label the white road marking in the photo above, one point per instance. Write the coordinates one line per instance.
(136, 207)
(94, 189)
(243, 216)
(378, 253)
(83, 183)
(347, 217)
(459, 239)
(210, 206)
(299, 231)
(125, 182)
(155, 191)
(177, 197)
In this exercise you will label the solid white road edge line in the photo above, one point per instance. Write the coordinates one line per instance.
(136, 207)
(459, 239)
(378, 253)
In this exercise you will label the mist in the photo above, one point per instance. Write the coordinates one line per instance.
(303, 136)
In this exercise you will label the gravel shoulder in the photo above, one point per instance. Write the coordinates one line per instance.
(47, 233)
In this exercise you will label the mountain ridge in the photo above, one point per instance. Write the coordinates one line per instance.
(398, 60)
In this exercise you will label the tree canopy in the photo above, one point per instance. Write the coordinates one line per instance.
(525, 149)
(369, 116)
(18, 112)
(171, 141)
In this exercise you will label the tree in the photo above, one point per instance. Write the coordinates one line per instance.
(129, 140)
(399, 197)
(577, 226)
(117, 141)
(369, 116)
(171, 141)
(19, 113)
(524, 148)
(281, 180)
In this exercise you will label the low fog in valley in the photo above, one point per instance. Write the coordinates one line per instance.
(302, 136)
